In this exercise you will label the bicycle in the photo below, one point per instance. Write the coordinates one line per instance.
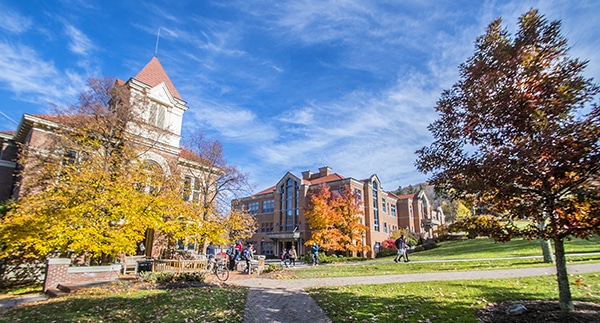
(218, 267)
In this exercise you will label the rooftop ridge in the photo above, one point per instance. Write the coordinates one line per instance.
(154, 73)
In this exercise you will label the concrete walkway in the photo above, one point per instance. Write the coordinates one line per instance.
(285, 301)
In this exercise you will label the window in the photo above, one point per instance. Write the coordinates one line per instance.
(187, 188)
(196, 191)
(157, 116)
(70, 157)
(358, 194)
(375, 209)
(253, 207)
(383, 206)
(288, 213)
(267, 248)
(393, 207)
(268, 206)
(266, 227)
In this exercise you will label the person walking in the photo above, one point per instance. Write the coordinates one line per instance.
(292, 255)
(315, 254)
(247, 256)
(236, 255)
(402, 252)
(210, 251)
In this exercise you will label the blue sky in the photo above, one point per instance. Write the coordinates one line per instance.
(283, 85)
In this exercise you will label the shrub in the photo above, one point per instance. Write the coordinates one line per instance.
(484, 225)
(164, 277)
(388, 244)
(272, 268)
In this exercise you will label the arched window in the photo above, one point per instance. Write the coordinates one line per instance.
(288, 198)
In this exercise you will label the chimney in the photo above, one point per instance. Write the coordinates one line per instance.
(324, 171)
(306, 175)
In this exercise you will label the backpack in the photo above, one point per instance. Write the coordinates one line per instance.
(246, 254)
(397, 243)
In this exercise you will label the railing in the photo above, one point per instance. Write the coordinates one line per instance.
(180, 265)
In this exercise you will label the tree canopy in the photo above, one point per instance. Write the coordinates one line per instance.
(335, 220)
(89, 188)
(519, 134)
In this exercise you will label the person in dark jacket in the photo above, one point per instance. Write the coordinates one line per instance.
(402, 249)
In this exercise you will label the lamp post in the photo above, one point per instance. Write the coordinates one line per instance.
(262, 245)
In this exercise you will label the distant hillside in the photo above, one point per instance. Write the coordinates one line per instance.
(434, 199)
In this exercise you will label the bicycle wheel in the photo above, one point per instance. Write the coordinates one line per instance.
(222, 273)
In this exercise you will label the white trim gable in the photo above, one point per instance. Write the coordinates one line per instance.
(162, 95)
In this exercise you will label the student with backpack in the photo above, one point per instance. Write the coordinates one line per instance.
(292, 255)
(402, 249)
(247, 256)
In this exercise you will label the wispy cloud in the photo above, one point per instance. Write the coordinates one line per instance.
(234, 124)
(79, 43)
(30, 77)
(13, 21)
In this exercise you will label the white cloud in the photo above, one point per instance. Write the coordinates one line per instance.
(79, 43)
(232, 123)
(32, 78)
(14, 22)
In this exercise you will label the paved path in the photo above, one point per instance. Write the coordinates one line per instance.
(285, 301)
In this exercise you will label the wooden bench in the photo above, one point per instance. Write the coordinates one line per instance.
(129, 262)
(257, 264)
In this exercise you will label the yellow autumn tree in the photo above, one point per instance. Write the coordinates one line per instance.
(87, 189)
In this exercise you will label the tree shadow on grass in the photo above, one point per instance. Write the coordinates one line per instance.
(456, 301)
(207, 304)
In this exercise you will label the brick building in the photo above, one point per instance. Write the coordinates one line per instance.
(159, 105)
(279, 211)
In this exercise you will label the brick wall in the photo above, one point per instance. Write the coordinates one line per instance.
(59, 272)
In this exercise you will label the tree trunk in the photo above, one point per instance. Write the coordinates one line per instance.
(564, 291)
(546, 246)
(547, 251)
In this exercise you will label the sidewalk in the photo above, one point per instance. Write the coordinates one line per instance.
(285, 301)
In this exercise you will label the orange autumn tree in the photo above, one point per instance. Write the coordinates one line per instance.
(334, 218)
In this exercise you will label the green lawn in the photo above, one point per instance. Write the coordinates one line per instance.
(487, 248)
(203, 304)
(454, 256)
(440, 301)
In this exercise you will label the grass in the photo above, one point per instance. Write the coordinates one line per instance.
(458, 256)
(440, 301)
(201, 304)
(391, 268)
(487, 248)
